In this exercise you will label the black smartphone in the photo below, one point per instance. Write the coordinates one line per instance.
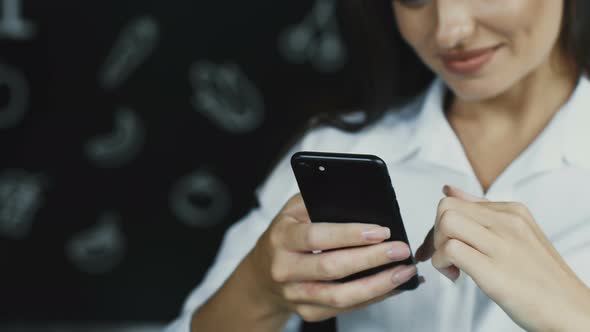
(342, 188)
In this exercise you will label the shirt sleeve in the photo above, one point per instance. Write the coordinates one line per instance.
(241, 237)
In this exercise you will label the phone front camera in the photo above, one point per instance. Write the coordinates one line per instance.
(303, 164)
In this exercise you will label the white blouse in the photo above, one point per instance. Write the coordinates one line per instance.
(422, 152)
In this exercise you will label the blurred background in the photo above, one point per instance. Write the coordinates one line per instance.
(133, 134)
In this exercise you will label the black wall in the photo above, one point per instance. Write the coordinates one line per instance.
(133, 133)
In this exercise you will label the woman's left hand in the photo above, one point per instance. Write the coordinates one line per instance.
(501, 247)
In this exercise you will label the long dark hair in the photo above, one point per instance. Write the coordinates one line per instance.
(392, 74)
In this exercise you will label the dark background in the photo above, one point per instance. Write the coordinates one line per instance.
(89, 171)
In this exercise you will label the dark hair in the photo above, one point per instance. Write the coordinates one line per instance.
(392, 74)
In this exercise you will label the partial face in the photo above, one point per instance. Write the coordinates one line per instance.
(524, 34)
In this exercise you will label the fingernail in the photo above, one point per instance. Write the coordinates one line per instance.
(404, 275)
(376, 234)
(398, 251)
(448, 275)
(446, 189)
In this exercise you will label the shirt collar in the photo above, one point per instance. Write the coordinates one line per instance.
(565, 140)
(577, 126)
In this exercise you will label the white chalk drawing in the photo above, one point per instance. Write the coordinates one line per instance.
(12, 24)
(316, 39)
(15, 108)
(200, 199)
(100, 248)
(224, 95)
(135, 44)
(21, 195)
(120, 146)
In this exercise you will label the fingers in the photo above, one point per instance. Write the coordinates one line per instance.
(427, 248)
(342, 263)
(455, 225)
(478, 212)
(451, 191)
(314, 313)
(352, 293)
(448, 207)
(456, 253)
(305, 237)
(295, 208)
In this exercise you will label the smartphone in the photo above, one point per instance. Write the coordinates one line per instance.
(344, 188)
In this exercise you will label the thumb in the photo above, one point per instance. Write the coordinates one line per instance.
(426, 250)
(455, 192)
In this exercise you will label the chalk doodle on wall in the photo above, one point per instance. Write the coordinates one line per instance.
(120, 146)
(12, 24)
(316, 39)
(224, 95)
(21, 195)
(14, 83)
(136, 42)
(100, 248)
(200, 199)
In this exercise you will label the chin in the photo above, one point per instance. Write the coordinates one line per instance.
(474, 89)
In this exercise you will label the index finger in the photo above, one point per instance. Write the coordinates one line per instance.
(325, 236)
(295, 207)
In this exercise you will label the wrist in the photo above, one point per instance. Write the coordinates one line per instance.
(242, 303)
(260, 291)
(573, 315)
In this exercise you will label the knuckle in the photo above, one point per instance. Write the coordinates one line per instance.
(520, 227)
(327, 267)
(520, 209)
(274, 237)
(445, 204)
(335, 301)
(451, 248)
(312, 239)
(310, 290)
(376, 257)
(291, 293)
(278, 272)
(446, 220)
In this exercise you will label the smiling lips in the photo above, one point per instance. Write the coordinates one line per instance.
(469, 62)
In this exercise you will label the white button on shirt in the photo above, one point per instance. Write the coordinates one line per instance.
(551, 177)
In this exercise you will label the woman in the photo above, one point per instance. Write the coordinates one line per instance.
(506, 118)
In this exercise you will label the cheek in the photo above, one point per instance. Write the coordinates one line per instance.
(413, 27)
(530, 26)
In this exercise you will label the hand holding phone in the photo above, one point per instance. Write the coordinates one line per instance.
(281, 276)
(351, 188)
(287, 277)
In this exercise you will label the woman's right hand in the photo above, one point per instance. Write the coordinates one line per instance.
(297, 280)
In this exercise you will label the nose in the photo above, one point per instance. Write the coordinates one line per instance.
(455, 23)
